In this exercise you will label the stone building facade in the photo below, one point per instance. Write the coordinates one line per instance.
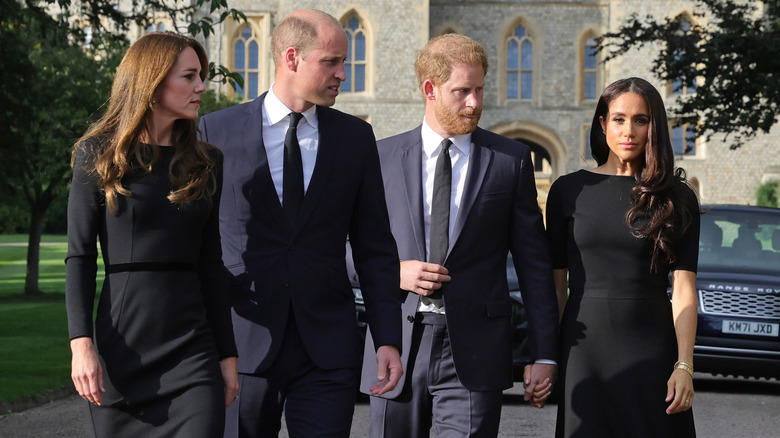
(542, 85)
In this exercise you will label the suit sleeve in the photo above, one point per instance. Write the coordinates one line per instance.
(85, 210)
(214, 279)
(203, 129)
(531, 255)
(375, 253)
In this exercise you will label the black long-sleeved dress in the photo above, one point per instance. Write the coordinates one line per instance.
(617, 334)
(163, 319)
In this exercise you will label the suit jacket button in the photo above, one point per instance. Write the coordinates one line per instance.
(410, 318)
(286, 283)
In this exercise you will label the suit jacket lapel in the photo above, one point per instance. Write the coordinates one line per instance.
(481, 157)
(253, 141)
(327, 149)
(411, 168)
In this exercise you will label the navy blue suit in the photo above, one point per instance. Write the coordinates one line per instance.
(278, 268)
(498, 213)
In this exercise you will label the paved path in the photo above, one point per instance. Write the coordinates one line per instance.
(724, 408)
(68, 418)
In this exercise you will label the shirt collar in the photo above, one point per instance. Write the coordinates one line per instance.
(276, 111)
(431, 141)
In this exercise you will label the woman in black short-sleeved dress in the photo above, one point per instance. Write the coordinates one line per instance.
(163, 363)
(618, 231)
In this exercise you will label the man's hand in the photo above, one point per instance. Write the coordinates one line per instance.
(537, 381)
(422, 278)
(389, 369)
(229, 370)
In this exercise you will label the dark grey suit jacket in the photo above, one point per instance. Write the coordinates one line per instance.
(498, 213)
(275, 265)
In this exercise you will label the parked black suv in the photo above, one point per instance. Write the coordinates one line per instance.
(738, 283)
(739, 292)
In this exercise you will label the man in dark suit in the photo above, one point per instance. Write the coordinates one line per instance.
(457, 310)
(293, 307)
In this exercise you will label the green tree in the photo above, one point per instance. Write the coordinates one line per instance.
(768, 194)
(56, 70)
(209, 102)
(50, 89)
(735, 56)
(112, 18)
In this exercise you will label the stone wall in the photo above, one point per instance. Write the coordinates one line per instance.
(555, 118)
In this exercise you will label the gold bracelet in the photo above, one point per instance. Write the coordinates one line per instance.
(683, 365)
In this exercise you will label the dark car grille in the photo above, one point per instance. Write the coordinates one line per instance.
(747, 305)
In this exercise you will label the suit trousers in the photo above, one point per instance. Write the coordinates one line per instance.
(433, 395)
(316, 402)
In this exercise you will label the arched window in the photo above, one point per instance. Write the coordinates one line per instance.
(679, 85)
(519, 64)
(589, 78)
(158, 27)
(88, 37)
(585, 153)
(246, 61)
(540, 158)
(684, 140)
(355, 66)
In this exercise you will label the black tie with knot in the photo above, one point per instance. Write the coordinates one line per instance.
(292, 181)
(440, 209)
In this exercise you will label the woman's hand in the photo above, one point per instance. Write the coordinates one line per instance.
(230, 377)
(679, 391)
(684, 307)
(536, 394)
(86, 371)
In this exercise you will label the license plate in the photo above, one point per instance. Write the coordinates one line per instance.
(751, 328)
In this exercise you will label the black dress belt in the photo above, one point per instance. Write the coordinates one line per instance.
(150, 266)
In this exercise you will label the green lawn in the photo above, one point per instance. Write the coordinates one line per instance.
(13, 263)
(34, 352)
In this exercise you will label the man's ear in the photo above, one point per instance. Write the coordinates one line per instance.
(291, 57)
(429, 89)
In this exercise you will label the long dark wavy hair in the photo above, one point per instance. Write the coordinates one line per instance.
(133, 96)
(664, 204)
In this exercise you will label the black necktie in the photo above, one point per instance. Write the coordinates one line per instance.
(440, 209)
(292, 181)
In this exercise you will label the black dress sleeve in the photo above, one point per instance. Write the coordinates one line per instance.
(688, 249)
(556, 227)
(85, 212)
(213, 276)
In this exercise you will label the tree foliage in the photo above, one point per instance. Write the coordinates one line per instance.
(57, 61)
(210, 101)
(112, 19)
(768, 194)
(49, 88)
(734, 58)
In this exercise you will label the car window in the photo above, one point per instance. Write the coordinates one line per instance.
(740, 241)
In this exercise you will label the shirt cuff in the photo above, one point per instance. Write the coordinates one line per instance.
(546, 361)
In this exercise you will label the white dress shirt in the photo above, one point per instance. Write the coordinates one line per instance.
(276, 120)
(459, 155)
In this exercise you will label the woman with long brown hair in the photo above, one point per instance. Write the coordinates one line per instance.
(163, 361)
(616, 233)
